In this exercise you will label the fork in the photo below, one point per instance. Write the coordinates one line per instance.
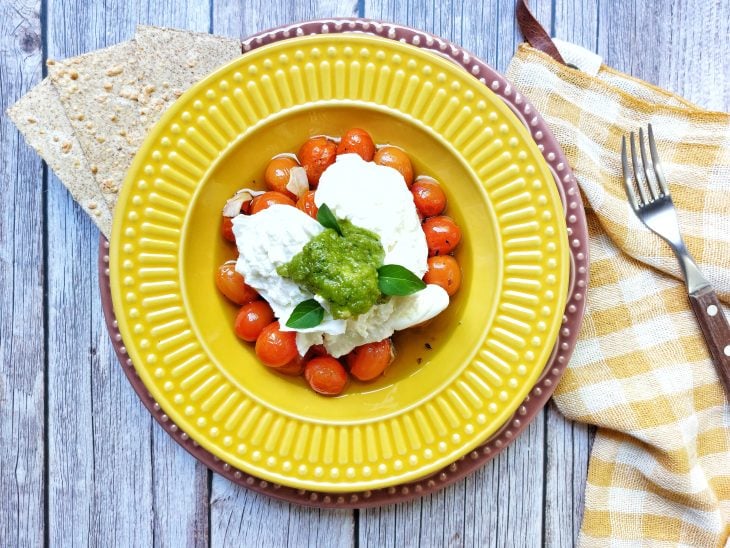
(654, 207)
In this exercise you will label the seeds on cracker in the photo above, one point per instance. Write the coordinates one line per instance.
(173, 60)
(50, 126)
(103, 92)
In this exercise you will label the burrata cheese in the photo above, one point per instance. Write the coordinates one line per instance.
(370, 196)
(376, 197)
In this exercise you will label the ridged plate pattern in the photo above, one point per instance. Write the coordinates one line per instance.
(161, 339)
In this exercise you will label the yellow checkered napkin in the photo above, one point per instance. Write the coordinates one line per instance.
(660, 467)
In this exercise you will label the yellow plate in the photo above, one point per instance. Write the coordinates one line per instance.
(454, 382)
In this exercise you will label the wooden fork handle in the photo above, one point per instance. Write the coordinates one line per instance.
(716, 330)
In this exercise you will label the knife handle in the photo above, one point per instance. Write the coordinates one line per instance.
(716, 330)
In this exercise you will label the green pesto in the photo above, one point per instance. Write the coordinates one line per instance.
(342, 269)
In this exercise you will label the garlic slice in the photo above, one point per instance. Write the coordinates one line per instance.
(298, 183)
(233, 205)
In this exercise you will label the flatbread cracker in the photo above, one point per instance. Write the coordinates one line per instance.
(172, 60)
(41, 119)
(100, 94)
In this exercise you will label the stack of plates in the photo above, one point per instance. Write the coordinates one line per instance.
(486, 366)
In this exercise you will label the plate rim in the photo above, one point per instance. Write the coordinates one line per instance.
(398, 30)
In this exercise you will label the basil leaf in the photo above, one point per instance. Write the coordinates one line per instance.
(307, 313)
(394, 279)
(327, 219)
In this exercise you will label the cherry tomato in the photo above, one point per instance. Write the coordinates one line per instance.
(429, 198)
(251, 320)
(227, 229)
(267, 199)
(317, 351)
(358, 141)
(398, 160)
(275, 347)
(277, 173)
(444, 270)
(325, 375)
(442, 235)
(232, 284)
(294, 368)
(307, 205)
(370, 360)
(316, 155)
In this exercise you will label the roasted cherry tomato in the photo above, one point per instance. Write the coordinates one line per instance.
(227, 229)
(444, 270)
(325, 375)
(275, 347)
(307, 205)
(368, 361)
(294, 368)
(232, 284)
(398, 160)
(267, 199)
(277, 174)
(316, 155)
(442, 235)
(357, 141)
(429, 197)
(252, 318)
(317, 351)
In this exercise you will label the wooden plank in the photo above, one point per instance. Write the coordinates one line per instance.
(392, 526)
(123, 480)
(242, 19)
(567, 456)
(577, 21)
(74, 353)
(239, 517)
(510, 492)
(681, 46)
(180, 494)
(22, 353)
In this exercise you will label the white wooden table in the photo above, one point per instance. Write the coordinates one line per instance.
(82, 462)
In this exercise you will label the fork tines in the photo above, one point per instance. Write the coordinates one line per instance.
(648, 175)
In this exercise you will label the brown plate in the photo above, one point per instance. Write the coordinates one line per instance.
(530, 407)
